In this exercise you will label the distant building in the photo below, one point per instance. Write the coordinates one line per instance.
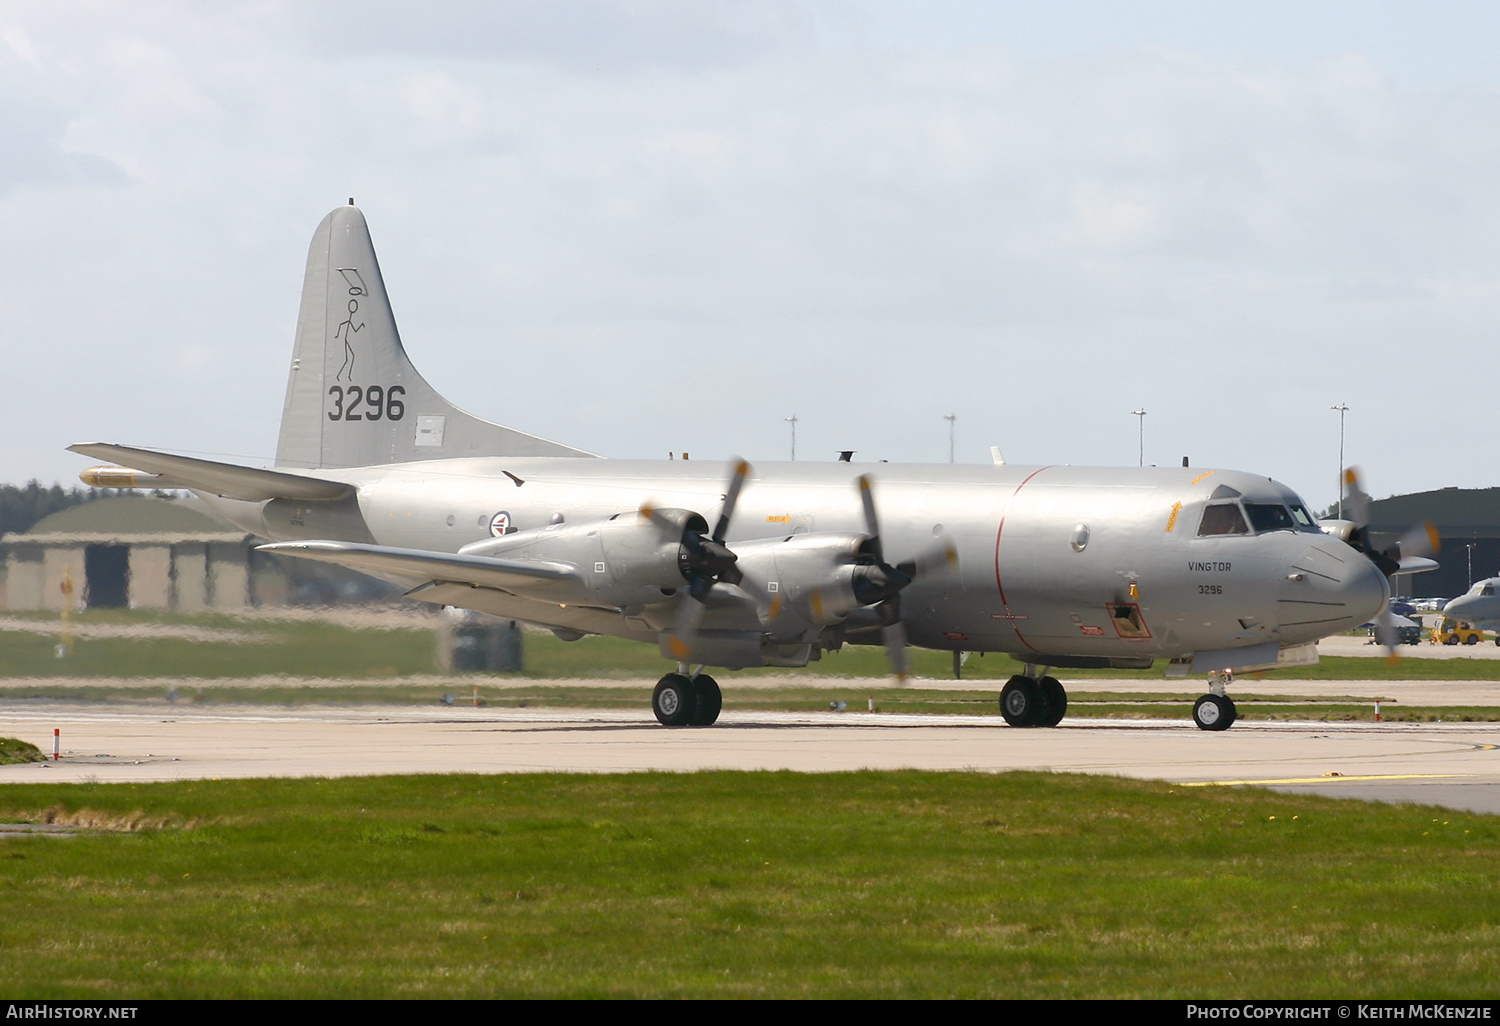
(146, 552)
(134, 552)
(1464, 517)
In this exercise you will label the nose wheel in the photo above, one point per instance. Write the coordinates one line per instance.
(1215, 710)
(681, 700)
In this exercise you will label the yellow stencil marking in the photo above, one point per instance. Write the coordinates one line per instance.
(785, 518)
(1172, 520)
(1201, 476)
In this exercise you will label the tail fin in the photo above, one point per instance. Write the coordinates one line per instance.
(353, 398)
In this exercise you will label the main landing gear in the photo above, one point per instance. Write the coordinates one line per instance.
(1033, 701)
(687, 700)
(1215, 710)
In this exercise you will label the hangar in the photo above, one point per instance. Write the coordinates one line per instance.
(137, 552)
(1468, 520)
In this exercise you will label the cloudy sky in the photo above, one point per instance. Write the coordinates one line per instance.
(644, 227)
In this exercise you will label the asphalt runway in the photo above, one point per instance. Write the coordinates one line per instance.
(1449, 764)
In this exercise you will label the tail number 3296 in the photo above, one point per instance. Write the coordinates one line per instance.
(370, 402)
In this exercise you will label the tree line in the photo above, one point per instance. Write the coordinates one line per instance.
(22, 507)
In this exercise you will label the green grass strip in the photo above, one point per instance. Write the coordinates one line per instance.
(14, 751)
(328, 650)
(891, 884)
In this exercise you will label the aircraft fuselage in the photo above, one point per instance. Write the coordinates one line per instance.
(1053, 561)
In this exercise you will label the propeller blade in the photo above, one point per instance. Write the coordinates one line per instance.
(685, 629)
(1385, 633)
(872, 525)
(941, 555)
(894, 636)
(1421, 541)
(650, 512)
(731, 497)
(768, 603)
(1356, 500)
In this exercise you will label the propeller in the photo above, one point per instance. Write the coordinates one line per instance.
(1411, 552)
(880, 584)
(704, 562)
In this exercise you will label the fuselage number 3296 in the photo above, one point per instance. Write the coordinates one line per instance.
(371, 402)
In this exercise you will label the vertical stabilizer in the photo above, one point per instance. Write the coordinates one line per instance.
(353, 398)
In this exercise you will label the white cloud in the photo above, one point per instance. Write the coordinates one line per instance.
(642, 228)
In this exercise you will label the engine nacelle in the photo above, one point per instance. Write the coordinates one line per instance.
(1343, 530)
(627, 560)
(810, 579)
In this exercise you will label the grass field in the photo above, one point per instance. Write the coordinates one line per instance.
(222, 659)
(728, 884)
(326, 649)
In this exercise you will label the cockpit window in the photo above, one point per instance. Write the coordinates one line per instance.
(1222, 518)
(1304, 518)
(1269, 516)
(1487, 589)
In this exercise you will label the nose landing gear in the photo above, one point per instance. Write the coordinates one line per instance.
(1215, 710)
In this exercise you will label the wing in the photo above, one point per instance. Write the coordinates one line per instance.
(252, 484)
(528, 575)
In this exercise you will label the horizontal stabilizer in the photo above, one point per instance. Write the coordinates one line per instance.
(422, 564)
(251, 484)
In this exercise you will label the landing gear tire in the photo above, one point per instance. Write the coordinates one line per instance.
(1056, 702)
(710, 701)
(1022, 702)
(675, 700)
(1214, 712)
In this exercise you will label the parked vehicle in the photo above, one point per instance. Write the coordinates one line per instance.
(1453, 632)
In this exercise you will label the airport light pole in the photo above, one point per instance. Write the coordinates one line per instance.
(951, 418)
(1343, 408)
(1141, 434)
(792, 420)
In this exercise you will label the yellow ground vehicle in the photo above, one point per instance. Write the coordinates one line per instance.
(1452, 632)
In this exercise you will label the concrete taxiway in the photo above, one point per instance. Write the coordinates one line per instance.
(1450, 764)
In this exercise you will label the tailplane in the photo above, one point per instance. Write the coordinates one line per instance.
(353, 398)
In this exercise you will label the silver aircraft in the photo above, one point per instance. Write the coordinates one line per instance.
(1480, 606)
(1215, 571)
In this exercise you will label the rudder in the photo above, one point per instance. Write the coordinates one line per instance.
(353, 398)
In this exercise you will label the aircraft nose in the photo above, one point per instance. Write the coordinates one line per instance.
(1329, 588)
(1365, 591)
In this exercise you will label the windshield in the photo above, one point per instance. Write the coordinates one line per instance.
(1305, 521)
(1222, 518)
(1230, 517)
(1269, 516)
